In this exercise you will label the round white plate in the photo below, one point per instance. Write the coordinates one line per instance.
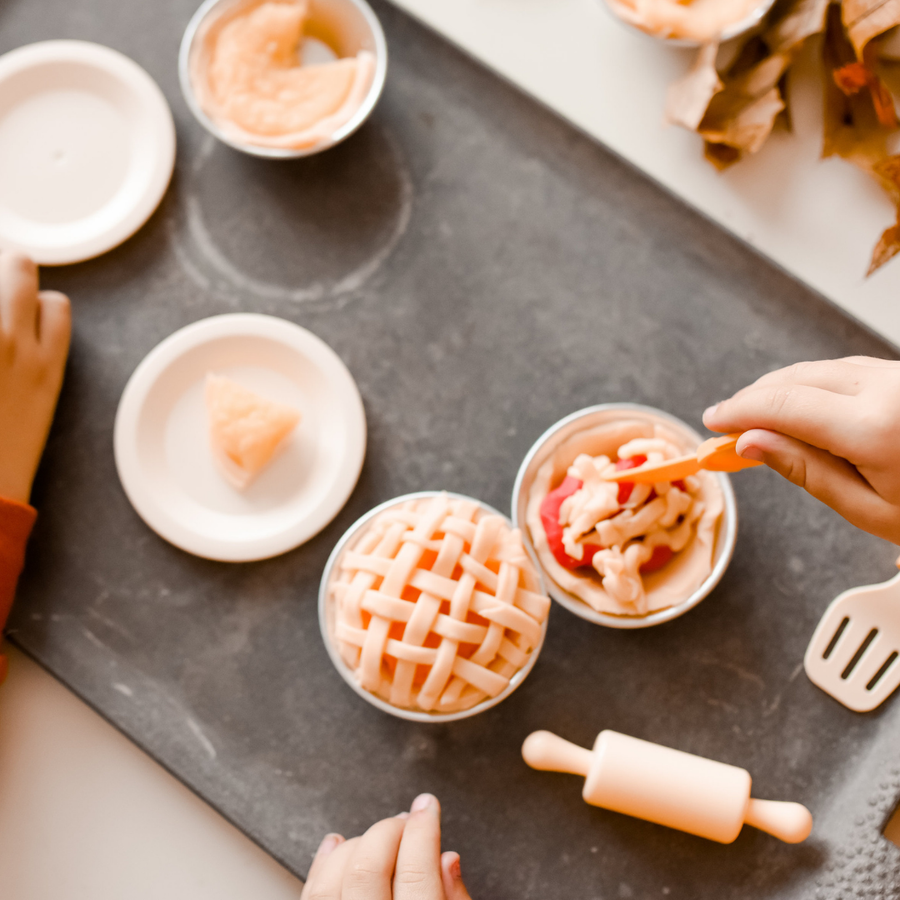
(162, 445)
(87, 146)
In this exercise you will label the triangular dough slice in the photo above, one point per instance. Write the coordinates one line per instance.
(245, 430)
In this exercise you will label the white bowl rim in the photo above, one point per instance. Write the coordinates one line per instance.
(737, 29)
(190, 339)
(412, 715)
(368, 104)
(59, 247)
(577, 606)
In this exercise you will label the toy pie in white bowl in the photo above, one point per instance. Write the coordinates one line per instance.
(624, 551)
(431, 608)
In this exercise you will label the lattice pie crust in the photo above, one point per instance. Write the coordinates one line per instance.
(437, 605)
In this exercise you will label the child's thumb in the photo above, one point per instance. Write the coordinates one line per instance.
(454, 889)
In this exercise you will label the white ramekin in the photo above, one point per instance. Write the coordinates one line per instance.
(326, 621)
(742, 27)
(352, 20)
(590, 418)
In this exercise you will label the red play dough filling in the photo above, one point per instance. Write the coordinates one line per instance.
(554, 531)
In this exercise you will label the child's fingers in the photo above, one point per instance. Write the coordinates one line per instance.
(872, 362)
(329, 843)
(811, 415)
(828, 478)
(18, 294)
(326, 875)
(54, 324)
(454, 889)
(370, 870)
(418, 872)
(54, 317)
(841, 376)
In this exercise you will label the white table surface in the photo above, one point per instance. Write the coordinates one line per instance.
(817, 219)
(86, 815)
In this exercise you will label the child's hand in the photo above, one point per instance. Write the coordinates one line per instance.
(34, 342)
(396, 859)
(833, 427)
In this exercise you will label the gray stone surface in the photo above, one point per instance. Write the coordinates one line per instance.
(483, 270)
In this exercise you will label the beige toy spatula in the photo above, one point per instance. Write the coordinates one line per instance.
(853, 654)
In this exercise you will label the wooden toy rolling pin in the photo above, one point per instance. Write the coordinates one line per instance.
(669, 787)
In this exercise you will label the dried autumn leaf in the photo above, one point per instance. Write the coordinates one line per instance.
(721, 155)
(736, 111)
(855, 76)
(794, 23)
(887, 248)
(741, 122)
(852, 78)
(866, 19)
(888, 173)
(743, 113)
(688, 98)
(854, 127)
(883, 103)
(850, 125)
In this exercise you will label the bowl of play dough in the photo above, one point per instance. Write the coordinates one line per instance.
(623, 555)
(431, 609)
(691, 23)
(282, 78)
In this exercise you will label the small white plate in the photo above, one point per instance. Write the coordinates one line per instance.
(162, 440)
(87, 147)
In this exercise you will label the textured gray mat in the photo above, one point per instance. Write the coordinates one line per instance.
(483, 270)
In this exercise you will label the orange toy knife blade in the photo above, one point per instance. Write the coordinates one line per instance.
(717, 454)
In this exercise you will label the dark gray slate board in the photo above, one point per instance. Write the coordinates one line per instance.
(483, 270)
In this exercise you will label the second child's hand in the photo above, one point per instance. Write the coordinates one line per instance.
(396, 859)
(831, 427)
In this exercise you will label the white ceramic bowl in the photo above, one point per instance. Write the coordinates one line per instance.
(351, 25)
(326, 621)
(590, 418)
(737, 29)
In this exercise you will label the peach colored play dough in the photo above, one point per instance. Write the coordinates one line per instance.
(245, 430)
(694, 20)
(437, 605)
(685, 521)
(249, 79)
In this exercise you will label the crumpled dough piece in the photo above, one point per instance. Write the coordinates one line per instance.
(245, 430)
(620, 588)
(249, 79)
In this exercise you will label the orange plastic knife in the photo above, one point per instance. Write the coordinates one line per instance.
(717, 454)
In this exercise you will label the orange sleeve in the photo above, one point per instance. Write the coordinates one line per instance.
(16, 521)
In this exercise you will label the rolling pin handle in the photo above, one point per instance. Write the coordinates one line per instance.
(790, 822)
(550, 753)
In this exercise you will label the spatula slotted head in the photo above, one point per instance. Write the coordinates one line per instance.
(854, 654)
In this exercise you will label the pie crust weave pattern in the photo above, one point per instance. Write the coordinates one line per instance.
(437, 605)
